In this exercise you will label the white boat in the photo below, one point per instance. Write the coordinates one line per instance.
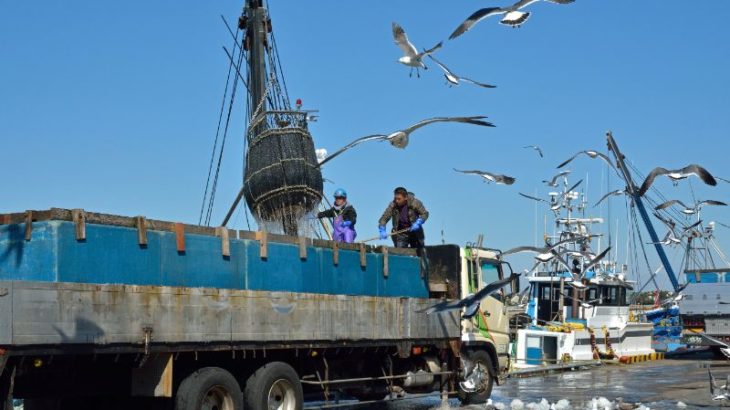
(577, 311)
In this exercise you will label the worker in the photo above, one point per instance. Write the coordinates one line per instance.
(408, 216)
(343, 218)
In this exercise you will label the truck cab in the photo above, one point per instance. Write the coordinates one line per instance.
(456, 272)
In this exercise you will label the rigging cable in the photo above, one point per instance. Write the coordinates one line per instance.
(217, 133)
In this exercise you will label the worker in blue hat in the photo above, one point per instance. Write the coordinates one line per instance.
(343, 217)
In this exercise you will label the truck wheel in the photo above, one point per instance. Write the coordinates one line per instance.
(480, 381)
(274, 386)
(210, 388)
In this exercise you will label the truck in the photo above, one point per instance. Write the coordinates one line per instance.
(106, 311)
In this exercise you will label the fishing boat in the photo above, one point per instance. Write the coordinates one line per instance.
(578, 304)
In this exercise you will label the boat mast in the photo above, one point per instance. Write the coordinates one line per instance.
(256, 31)
(633, 191)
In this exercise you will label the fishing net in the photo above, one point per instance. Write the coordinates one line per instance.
(282, 180)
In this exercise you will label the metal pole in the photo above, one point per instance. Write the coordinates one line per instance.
(633, 191)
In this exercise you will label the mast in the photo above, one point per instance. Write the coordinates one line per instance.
(633, 191)
(256, 24)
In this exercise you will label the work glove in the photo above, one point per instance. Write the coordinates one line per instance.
(416, 225)
(383, 234)
(346, 224)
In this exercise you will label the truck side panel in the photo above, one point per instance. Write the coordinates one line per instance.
(41, 313)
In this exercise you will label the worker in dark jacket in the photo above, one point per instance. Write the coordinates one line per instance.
(343, 218)
(406, 213)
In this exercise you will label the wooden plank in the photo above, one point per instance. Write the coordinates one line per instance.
(28, 225)
(385, 261)
(79, 219)
(180, 237)
(336, 253)
(225, 241)
(263, 238)
(302, 248)
(141, 223)
(363, 256)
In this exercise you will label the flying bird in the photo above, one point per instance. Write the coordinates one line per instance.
(536, 148)
(676, 175)
(453, 79)
(411, 57)
(592, 154)
(717, 392)
(544, 254)
(490, 177)
(554, 181)
(512, 15)
(689, 210)
(399, 139)
(612, 193)
(471, 302)
(554, 205)
(585, 304)
(669, 239)
(724, 347)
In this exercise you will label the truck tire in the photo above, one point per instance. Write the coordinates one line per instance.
(274, 386)
(483, 363)
(210, 388)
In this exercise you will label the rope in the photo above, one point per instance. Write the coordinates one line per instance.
(217, 133)
(223, 143)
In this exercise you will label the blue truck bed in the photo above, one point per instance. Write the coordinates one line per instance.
(110, 253)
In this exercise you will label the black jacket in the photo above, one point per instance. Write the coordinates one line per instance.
(348, 213)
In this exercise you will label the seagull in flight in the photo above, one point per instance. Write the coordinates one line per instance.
(536, 148)
(592, 154)
(512, 15)
(717, 392)
(676, 175)
(689, 210)
(669, 239)
(411, 57)
(399, 139)
(554, 205)
(612, 193)
(554, 181)
(724, 347)
(490, 177)
(453, 79)
(471, 302)
(585, 304)
(544, 254)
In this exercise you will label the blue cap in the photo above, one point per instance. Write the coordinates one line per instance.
(339, 192)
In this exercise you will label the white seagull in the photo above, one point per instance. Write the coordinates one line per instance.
(399, 139)
(512, 16)
(676, 175)
(453, 79)
(612, 193)
(490, 177)
(689, 210)
(554, 181)
(411, 58)
(536, 148)
(591, 153)
(719, 393)
(471, 302)
(724, 347)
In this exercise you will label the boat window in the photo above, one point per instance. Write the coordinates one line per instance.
(611, 296)
(592, 294)
(490, 273)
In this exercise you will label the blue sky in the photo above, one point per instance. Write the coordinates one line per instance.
(112, 106)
